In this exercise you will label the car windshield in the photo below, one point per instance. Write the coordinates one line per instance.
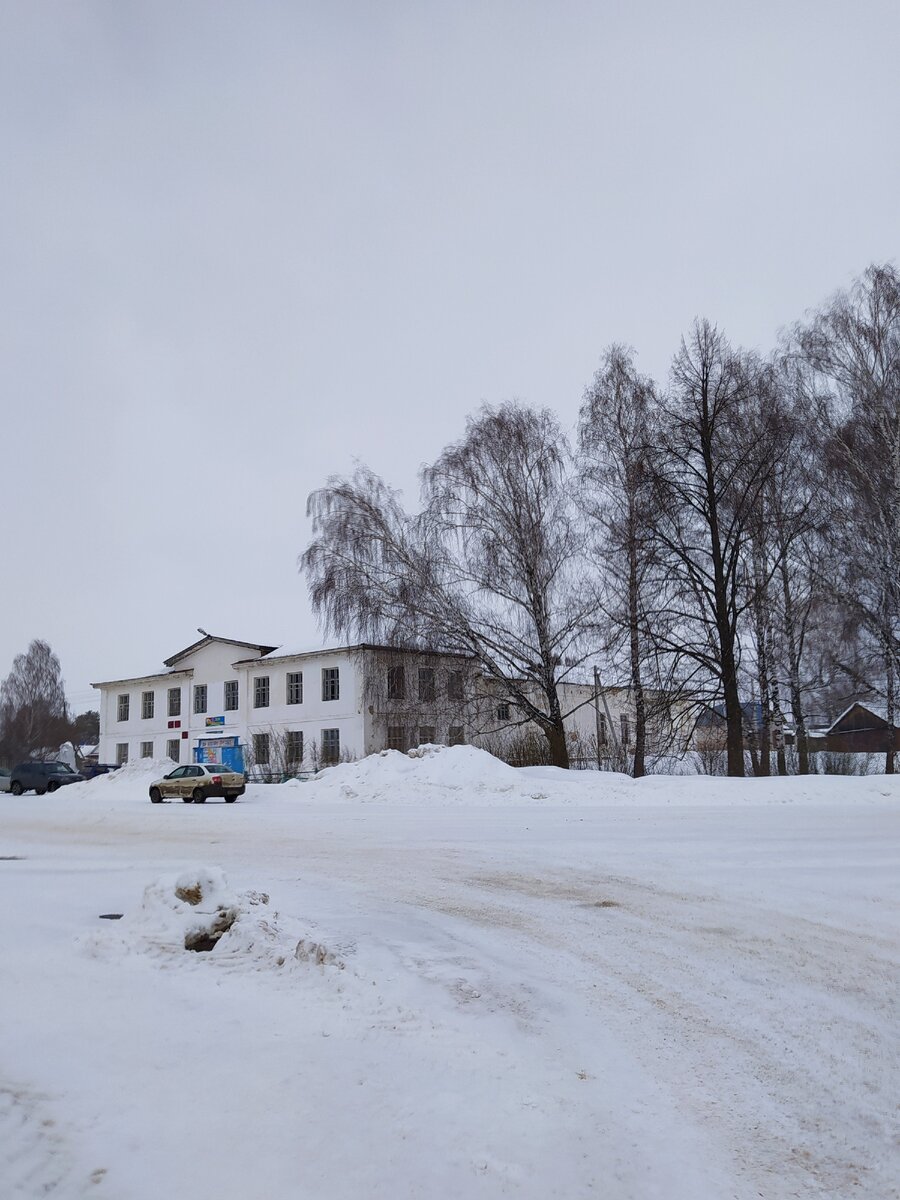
(61, 769)
(216, 768)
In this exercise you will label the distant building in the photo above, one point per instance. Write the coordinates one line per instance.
(860, 729)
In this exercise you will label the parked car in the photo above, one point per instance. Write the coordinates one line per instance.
(90, 770)
(198, 782)
(4, 779)
(41, 777)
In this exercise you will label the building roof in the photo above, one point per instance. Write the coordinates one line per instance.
(209, 637)
(186, 672)
(877, 711)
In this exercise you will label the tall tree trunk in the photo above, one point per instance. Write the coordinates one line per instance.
(559, 750)
(891, 711)
(793, 652)
(640, 710)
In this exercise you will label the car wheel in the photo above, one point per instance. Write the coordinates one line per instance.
(16, 788)
(155, 796)
(51, 787)
(230, 799)
(187, 799)
(40, 791)
(198, 796)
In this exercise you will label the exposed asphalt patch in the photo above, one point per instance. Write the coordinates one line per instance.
(111, 916)
(11, 858)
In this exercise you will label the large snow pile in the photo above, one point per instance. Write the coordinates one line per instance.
(133, 776)
(465, 775)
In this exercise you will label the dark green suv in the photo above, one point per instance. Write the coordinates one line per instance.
(41, 777)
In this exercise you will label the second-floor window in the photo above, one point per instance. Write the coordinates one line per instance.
(426, 684)
(146, 707)
(261, 691)
(626, 733)
(231, 695)
(295, 687)
(502, 712)
(200, 698)
(122, 708)
(454, 685)
(396, 683)
(331, 683)
(174, 702)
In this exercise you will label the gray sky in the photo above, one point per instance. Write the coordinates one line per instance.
(243, 244)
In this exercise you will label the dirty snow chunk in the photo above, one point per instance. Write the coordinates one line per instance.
(198, 884)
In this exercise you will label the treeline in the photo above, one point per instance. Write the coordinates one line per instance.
(34, 716)
(732, 535)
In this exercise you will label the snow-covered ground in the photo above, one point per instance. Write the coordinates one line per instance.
(442, 977)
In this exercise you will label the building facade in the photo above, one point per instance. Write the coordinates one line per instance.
(274, 712)
(262, 709)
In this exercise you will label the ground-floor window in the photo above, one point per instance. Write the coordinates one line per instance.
(457, 738)
(331, 745)
(121, 753)
(293, 747)
(173, 749)
(261, 749)
(396, 738)
(426, 735)
(146, 749)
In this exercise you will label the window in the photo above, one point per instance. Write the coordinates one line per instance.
(454, 685)
(426, 684)
(601, 729)
(396, 683)
(200, 698)
(293, 747)
(123, 709)
(396, 738)
(146, 749)
(146, 706)
(231, 695)
(426, 735)
(173, 749)
(175, 702)
(331, 743)
(623, 722)
(502, 712)
(295, 687)
(261, 691)
(331, 685)
(122, 751)
(456, 735)
(261, 748)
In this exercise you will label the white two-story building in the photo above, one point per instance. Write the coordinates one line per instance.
(272, 710)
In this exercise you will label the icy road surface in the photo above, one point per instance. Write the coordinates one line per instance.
(558, 998)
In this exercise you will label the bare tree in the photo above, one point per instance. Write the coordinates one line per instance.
(34, 716)
(708, 477)
(615, 438)
(491, 567)
(853, 343)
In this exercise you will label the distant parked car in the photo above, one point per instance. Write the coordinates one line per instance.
(41, 777)
(90, 770)
(198, 782)
(4, 779)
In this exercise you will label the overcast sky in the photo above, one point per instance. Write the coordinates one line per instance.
(242, 245)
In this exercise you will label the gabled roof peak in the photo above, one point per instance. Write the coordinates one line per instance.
(209, 638)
